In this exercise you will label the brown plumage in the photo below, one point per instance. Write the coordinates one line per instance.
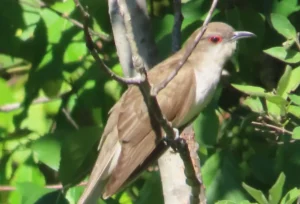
(129, 139)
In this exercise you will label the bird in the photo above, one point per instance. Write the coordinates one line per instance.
(131, 139)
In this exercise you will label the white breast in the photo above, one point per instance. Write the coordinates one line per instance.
(206, 83)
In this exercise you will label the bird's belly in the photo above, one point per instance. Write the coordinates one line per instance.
(206, 84)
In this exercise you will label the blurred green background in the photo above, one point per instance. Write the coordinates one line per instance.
(54, 101)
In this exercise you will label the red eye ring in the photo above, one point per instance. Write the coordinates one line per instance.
(215, 39)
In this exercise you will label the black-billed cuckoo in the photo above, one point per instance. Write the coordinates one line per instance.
(129, 141)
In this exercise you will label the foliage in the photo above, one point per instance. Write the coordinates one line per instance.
(249, 134)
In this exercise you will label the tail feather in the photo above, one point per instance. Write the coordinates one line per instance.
(91, 197)
(105, 164)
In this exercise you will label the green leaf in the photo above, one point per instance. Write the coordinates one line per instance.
(151, 191)
(206, 127)
(295, 99)
(256, 194)
(285, 7)
(294, 110)
(278, 100)
(31, 192)
(6, 119)
(283, 26)
(56, 197)
(226, 202)
(289, 56)
(47, 150)
(232, 202)
(284, 81)
(275, 192)
(275, 110)
(254, 104)
(291, 196)
(220, 176)
(78, 154)
(296, 133)
(294, 81)
(251, 90)
(74, 193)
(28, 173)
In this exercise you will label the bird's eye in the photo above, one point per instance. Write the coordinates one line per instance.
(215, 39)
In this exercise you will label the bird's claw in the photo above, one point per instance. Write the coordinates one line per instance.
(173, 142)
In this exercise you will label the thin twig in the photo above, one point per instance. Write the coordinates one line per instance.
(104, 37)
(278, 129)
(163, 84)
(15, 106)
(56, 186)
(70, 119)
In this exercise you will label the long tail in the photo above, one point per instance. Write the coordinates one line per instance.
(91, 196)
(105, 164)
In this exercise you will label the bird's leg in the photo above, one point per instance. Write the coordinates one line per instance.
(173, 143)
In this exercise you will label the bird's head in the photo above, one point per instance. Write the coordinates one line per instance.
(218, 41)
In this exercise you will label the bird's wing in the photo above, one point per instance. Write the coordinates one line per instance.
(135, 132)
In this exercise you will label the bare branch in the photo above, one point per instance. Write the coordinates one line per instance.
(121, 42)
(70, 119)
(276, 128)
(188, 52)
(56, 186)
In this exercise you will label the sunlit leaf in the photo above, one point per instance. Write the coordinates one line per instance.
(295, 98)
(47, 149)
(251, 90)
(275, 192)
(284, 81)
(289, 56)
(294, 81)
(254, 104)
(296, 133)
(31, 192)
(256, 194)
(291, 196)
(295, 110)
(283, 26)
(285, 7)
(75, 149)
(226, 202)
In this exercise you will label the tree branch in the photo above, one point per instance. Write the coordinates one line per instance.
(55, 186)
(276, 128)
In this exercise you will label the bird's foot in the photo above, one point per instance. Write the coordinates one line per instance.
(173, 142)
